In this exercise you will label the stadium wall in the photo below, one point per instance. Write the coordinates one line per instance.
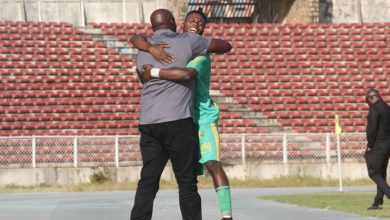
(179, 8)
(303, 12)
(67, 176)
(286, 11)
(360, 11)
(80, 12)
(307, 11)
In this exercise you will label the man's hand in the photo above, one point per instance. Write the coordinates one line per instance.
(158, 52)
(145, 76)
(369, 148)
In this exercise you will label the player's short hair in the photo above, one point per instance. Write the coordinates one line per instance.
(199, 11)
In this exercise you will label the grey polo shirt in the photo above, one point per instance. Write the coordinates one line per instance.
(164, 100)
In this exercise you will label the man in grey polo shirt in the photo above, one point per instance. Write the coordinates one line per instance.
(167, 130)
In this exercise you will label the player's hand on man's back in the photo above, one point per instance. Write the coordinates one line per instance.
(160, 54)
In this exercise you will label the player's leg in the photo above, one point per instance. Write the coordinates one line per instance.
(222, 187)
(378, 200)
(377, 161)
(376, 158)
(379, 193)
(210, 147)
(182, 142)
(154, 160)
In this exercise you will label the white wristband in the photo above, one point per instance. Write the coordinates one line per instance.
(155, 72)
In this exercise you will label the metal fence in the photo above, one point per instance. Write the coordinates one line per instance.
(120, 151)
(217, 11)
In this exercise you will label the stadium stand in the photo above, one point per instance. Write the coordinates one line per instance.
(58, 80)
(55, 80)
(298, 74)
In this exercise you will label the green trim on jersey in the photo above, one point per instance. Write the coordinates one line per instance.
(205, 110)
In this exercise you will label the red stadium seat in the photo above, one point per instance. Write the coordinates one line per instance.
(299, 75)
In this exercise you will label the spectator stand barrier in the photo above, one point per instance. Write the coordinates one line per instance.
(85, 151)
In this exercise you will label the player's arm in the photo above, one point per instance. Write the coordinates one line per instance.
(173, 74)
(158, 51)
(201, 45)
(219, 46)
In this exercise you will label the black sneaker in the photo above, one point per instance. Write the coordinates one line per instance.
(375, 207)
(227, 218)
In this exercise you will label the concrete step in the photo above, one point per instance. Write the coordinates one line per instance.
(90, 30)
(257, 117)
(127, 50)
(110, 41)
(114, 43)
(222, 99)
(102, 37)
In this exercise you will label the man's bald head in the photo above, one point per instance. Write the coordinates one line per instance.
(162, 19)
(372, 97)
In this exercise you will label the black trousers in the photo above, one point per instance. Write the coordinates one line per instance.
(377, 160)
(176, 141)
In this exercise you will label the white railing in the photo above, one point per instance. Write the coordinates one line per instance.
(84, 151)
